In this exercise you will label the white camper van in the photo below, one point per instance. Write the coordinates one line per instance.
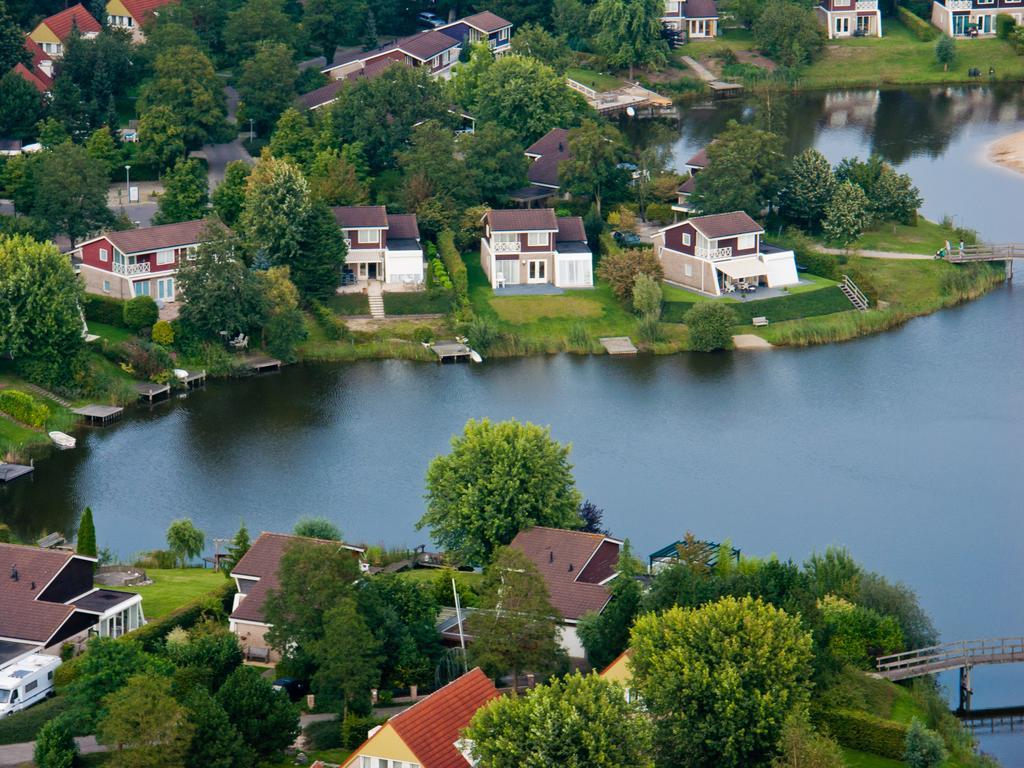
(26, 682)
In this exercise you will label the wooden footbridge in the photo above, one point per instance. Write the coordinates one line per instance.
(987, 252)
(963, 655)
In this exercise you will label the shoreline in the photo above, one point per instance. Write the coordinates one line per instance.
(1007, 152)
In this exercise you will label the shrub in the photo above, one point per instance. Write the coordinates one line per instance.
(923, 748)
(453, 263)
(422, 334)
(22, 407)
(439, 275)
(1017, 38)
(945, 52)
(149, 360)
(104, 309)
(354, 729)
(333, 327)
(1004, 26)
(324, 735)
(710, 324)
(55, 744)
(918, 27)
(648, 328)
(620, 268)
(163, 334)
(482, 332)
(659, 212)
(647, 296)
(140, 312)
(865, 732)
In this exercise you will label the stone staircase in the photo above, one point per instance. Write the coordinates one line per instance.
(853, 293)
(376, 298)
(47, 394)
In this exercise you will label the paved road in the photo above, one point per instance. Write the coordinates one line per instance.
(19, 754)
(219, 155)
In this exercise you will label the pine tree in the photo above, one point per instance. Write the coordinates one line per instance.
(808, 188)
(236, 549)
(86, 542)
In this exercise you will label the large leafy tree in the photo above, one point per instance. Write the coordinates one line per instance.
(209, 647)
(605, 635)
(265, 718)
(592, 168)
(70, 191)
(184, 81)
(846, 216)
(161, 137)
(789, 33)
(266, 86)
(516, 628)
(476, 60)
(334, 179)
(228, 197)
(184, 197)
(745, 167)
(528, 96)
(808, 187)
(720, 680)
(21, 107)
(145, 726)
(710, 326)
(629, 32)
(494, 161)
(102, 69)
(293, 138)
(185, 540)
(216, 743)
(533, 40)
(12, 41)
(334, 23)
(284, 327)
(572, 721)
(498, 479)
(348, 657)
(101, 146)
(255, 22)
(40, 319)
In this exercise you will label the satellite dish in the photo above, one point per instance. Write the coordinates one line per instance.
(630, 111)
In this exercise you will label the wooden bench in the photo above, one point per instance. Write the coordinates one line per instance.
(760, 322)
(254, 653)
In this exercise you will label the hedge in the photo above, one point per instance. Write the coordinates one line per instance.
(104, 309)
(920, 28)
(864, 732)
(824, 301)
(453, 263)
(24, 408)
(1004, 26)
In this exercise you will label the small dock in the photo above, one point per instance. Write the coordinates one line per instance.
(99, 414)
(451, 352)
(150, 391)
(630, 98)
(195, 380)
(718, 87)
(262, 363)
(11, 472)
(618, 345)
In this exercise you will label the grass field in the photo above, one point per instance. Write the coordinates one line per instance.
(924, 237)
(173, 588)
(415, 303)
(111, 333)
(855, 759)
(599, 81)
(529, 309)
(733, 39)
(349, 304)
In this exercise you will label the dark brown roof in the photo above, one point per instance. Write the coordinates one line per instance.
(687, 187)
(551, 149)
(426, 45)
(22, 616)
(570, 229)
(147, 239)
(486, 21)
(360, 216)
(555, 141)
(699, 160)
(522, 220)
(403, 226)
(562, 557)
(432, 726)
(321, 96)
(700, 9)
(721, 225)
(62, 23)
(102, 600)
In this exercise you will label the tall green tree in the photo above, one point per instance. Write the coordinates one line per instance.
(228, 197)
(572, 721)
(216, 743)
(21, 107)
(789, 33)
(144, 726)
(334, 179)
(945, 52)
(55, 744)
(606, 634)
(71, 192)
(85, 542)
(12, 41)
(161, 137)
(284, 327)
(185, 540)
(592, 168)
(331, 24)
(894, 197)
(475, 60)
(629, 33)
(495, 162)
(349, 658)
(185, 82)
(265, 718)
(239, 545)
(516, 628)
(255, 22)
(40, 316)
(745, 167)
(808, 186)
(293, 138)
(710, 326)
(533, 40)
(846, 216)
(720, 680)
(101, 146)
(266, 85)
(184, 197)
(498, 479)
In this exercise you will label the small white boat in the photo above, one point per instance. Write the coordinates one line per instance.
(62, 440)
(475, 356)
(180, 374)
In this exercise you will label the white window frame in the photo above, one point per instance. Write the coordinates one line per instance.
(106, 286)
(537, 239)
(687, 239)
(688, 269)
(744, 242)
(190, 253)
(504, 237)
(165, 257)
(367, 236)
(104, 254)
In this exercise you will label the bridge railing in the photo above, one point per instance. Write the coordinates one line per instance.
(951, 655)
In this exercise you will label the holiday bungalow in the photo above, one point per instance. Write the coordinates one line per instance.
(694, 165)
(130, 15)
(429, 733)
(47, 599)
(381, 246)
(534, 247)
(850, 18)
(480, 27)
(546, 154)
(694, 19)
(722, 253)
(973, 18)
(38, 72)
(52, 32)
(432, 50)
(255, 575)
(138, 262)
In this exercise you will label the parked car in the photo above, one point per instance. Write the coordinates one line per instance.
(26, 682)
(295, 688)
(626, 239)
(428, 19)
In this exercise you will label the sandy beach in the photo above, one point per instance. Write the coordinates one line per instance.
(1008, 152)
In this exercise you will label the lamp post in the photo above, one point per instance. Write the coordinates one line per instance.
(250, 131)
(128, 182)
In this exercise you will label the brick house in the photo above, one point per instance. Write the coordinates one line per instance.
(52, 32)
(850, 18)
(432, 50)
(534, 247)
(694, 19)
(968, 18)
(381, 245)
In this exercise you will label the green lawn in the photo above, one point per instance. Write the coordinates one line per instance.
(925, 237)
(899, 58)
(733, 39)
(599, 81)
(349, 304)
(14, 436)
(416, 303)
(855, 759)
(111, 333)
(173, 588)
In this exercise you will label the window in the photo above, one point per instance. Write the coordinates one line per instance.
(31, 686)
(190, 253)
(503, 34)
(104, 254)
(367, 236)
(746, 242)
(106, 286)
(165, 256)
(687, 239)
(688, 269)
(537, 238)
(365, 762)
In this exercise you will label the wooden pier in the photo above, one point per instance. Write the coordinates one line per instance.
(195, 380)
(150, 391)
(618, 345)
(262, 364)
(630, 98)
(99, 414)
(988, 252)
(451, 352)
(11, 472)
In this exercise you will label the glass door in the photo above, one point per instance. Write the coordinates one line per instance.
(536, 271)
(165, 289)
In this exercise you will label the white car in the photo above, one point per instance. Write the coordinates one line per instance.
(26, 682)
(429, 19)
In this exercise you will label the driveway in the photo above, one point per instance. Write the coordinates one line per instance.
(20, 754)
(219, 155)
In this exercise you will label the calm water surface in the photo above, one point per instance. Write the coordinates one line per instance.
(905, 447)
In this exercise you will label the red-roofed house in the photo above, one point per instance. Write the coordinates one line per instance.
(381, 245)
(480, 27)
(39, 71)
(429, 733)
(545, 155)
(722, 253)
(532, 246)
(47, 598)
(255, 575)
(694, 18)
(576, 567)
(132, 14)
(52, 32)
(434, 50)
(138, 262)
(694, 165)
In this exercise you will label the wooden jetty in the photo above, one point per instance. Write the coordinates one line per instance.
(718, 87)
(988, 252)
(99, 414)
(630, 98)
(195, 380)
(11, 472)
(618, 345)
(262, 363)
(150, 391)
(452, 351)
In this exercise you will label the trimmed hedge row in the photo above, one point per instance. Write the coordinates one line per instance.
(824, 301)
(23, 407)
(453, 263)
(104, 309)
(865, 732)
(920, 28)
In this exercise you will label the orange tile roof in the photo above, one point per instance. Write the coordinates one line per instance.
(62, 23)
(139, 8)
(36, 81)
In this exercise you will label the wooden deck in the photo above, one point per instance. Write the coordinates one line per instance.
(987, 252)
(262, 363)
(451, 351)
(194, 380)
(618, 345)
(99, 414)
(11, 472)
(942, 658)
(150, 391)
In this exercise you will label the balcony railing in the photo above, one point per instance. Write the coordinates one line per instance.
(505, 247)
(867, 5)
(714, 253)
(959, 5)
(128, 270)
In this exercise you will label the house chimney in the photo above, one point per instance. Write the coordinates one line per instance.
(14, 573)
(551, 556)
(33, 586)
(560, 147)
(570, 567)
